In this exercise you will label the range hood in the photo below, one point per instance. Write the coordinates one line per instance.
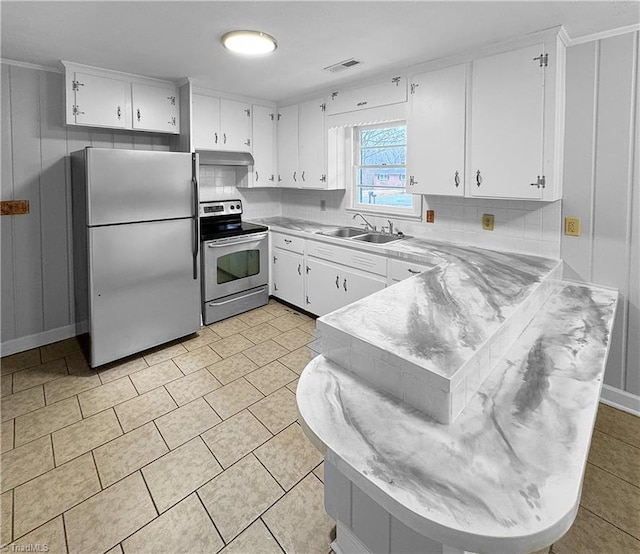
(221, 157)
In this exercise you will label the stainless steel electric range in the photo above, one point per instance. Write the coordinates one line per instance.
(235, 254)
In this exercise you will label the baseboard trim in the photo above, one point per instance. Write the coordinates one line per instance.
(620, 399)
(41, 339)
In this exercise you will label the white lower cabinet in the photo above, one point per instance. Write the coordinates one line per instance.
(331, 286)
(287, 276)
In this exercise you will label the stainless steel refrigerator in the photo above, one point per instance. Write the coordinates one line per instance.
(135, 248)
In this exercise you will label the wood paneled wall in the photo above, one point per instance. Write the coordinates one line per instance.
(601, 187)
(36, 280)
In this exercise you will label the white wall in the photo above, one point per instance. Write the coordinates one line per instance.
(601, 187)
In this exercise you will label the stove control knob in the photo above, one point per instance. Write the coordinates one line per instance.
(238, 206)
(233, 207)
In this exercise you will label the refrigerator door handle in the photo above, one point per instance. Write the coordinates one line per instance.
(196, 207)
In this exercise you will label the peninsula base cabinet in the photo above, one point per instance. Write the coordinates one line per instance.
(331, 286)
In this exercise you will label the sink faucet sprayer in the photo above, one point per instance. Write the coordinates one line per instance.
(367, 225)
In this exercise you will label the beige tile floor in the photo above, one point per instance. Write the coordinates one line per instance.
(195, 447)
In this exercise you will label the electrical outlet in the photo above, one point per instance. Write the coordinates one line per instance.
(487, 222)
(323, 205)
(431, 216)
(572, 226)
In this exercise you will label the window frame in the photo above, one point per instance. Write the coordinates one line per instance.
(413, 213)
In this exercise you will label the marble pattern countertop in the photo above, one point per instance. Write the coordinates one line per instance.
(438, 319)
(506, 475)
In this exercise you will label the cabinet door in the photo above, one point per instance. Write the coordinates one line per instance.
(155, 108)
(436, 132)
(507, 116)
(100, 101)
(393, 91)
(235, 122)
(355, 286)
(287, 274)
(263, 134)
(288, 146)
(205, 126)
(324, 293)
(312, 149)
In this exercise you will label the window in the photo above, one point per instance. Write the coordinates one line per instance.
(380, 171)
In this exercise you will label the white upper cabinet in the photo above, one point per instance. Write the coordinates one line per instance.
(220, 124)
(312, 144)
(507, 123)
(205, 127)
(436, 132)
(287, 126)
(391, 91)
(97, 97)
(155, 108)
(235, 123)
(264, 146)
(99, 101)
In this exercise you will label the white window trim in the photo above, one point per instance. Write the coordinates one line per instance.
(352, 179)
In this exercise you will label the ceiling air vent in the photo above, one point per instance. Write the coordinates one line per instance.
(346, 64)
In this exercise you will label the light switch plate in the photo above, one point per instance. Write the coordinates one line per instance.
(572, 226)
(431, 216)
(487, 222)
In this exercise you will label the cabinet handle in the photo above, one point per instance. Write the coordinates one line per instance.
(478, 178)
(308, 270)
(257, 176)
(138, 114)
(302, 175)
(456, 179)
(287, 241)
(413, 271)
(294, 176)
(248, 143)
(361, 104)
(299, 269)
(337, 281)
(216, 137)
(119, 112)
(224, 138)
(172, 121)
(275, 287)
(275, 259)
(344, 285)
(308, 300)
(271, 178)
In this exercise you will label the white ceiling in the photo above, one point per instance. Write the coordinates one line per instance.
(173, 40)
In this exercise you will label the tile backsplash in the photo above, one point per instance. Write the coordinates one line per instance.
(519, 225)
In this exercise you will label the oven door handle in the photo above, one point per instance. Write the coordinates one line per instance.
(214, 303)
(233, 241)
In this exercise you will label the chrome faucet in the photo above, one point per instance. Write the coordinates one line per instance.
(390, 226)
(367, 225)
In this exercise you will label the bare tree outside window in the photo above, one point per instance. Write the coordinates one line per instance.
(381, 167)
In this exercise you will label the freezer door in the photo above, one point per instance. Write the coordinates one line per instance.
(135, 185)
(141, 287)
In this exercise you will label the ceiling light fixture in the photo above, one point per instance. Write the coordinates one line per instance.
(250, 43)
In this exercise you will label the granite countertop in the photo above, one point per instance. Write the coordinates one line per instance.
(506, 475)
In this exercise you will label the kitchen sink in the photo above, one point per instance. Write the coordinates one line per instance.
(343, 232)
(378, 238)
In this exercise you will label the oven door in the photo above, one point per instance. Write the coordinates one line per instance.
(234, 264)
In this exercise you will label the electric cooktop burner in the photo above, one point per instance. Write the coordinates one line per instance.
(222, 218)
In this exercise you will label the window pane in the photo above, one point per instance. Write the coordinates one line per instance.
(392, 155)
(387, 136)
(383, 187)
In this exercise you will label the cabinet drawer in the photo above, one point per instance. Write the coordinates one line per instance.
(345, 256)
(392, 91)
(287, 242)
(400, 270)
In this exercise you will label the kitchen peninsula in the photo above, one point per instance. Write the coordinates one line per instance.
(505, 474)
